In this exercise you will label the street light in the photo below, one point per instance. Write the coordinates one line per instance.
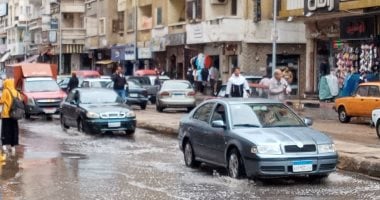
(58, 3)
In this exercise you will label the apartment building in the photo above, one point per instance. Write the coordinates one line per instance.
(4, 52)
(336, 31)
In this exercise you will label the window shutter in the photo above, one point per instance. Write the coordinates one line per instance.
(199, 9)
(115, 24)
(189, 9)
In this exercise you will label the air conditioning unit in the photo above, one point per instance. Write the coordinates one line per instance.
(219, 1)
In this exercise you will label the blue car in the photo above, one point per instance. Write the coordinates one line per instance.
(97, 110)
(258, 138)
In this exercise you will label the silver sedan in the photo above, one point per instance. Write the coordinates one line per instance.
(255, 138)
(176, 94)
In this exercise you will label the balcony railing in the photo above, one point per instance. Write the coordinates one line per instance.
(179, 27)
(74, 7)
(35, 24)
(73, 35)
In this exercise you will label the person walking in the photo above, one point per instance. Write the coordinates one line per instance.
(120, 83)
(73, 82)
(9, 127)
(278, 86)
(237, 85)
(213, 79)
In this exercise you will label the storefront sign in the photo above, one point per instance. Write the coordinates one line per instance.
(130, 52)
(357, 28)
(195, 33)
(311, 6)
(117, 53)
(144, 53)
(3, 9)
(158, 41)
(176, 39)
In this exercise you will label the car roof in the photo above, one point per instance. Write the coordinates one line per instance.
(93, 89)
(39, 79)
(96, 79)
(252, 76)
(233, 101)
(176, 81)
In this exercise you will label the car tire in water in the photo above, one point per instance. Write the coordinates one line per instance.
(343, 118)
(143, 106)
(159, 108)
(27, 115)
(378, 128)
(81, 126)
(63, 125)
(188, 155)
(235, 166)
(130, 132)
(319, 177)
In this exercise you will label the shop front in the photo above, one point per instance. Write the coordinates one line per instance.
(124, 55)
(176, 56)
(158, 47)
(144, 55)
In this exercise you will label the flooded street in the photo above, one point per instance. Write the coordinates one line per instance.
(52, 164)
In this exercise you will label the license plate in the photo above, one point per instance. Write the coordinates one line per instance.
(303, 166)
(133, 95)
(114, 124)
(49, 110)
(178, 94)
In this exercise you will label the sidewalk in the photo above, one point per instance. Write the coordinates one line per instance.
(361, 157)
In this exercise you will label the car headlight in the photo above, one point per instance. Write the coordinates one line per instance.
(326, 148)
(92, 115)
(269, 149)
(31, 102)
(130, 114)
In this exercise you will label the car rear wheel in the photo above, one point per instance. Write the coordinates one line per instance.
(143, 106)
(378, 128)
(189, 156)
(343, 117)
(159, 108)
(235, 165)
(63, 125)
(130, 132)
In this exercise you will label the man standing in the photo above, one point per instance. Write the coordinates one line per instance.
(278, 87)
(237, 85)
(213, 78)
(119, 82)
(73, 82)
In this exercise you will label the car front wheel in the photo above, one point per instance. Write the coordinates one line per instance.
(63, 125)
(189, 156)
(343, 117)
(235, 165)
(378, 128)
(81, 126)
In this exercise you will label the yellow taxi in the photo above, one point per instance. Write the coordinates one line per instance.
(365, 99)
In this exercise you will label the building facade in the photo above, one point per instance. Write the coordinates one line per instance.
(344, 33)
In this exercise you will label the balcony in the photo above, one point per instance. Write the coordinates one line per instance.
(179, 27)
(73, 35)
(73, 7)
(35, 24)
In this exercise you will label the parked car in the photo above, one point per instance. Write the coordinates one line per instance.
(364, 100)
(95, 83)
(376, 120)
(96, 110)
(161, 78)
(87, 74)
(136, 94)
(176, 94)
(256, 138)
(146, 83)
(145, 72)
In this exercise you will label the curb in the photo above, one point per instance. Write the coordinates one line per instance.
(345, 161)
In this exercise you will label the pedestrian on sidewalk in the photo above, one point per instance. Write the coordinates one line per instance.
(237, 85)
(120, 84)
(213, 79)
(278, 87)
(9, 127)
(73, 82)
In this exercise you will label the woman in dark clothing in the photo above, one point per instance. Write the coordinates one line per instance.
(9, 126)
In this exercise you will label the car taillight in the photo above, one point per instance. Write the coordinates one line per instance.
(164, 94)
(192, 93)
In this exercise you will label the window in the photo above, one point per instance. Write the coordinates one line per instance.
(362, 91)
(219, 114)
(194, 9)
(203, 113)
(130, 21)
(120, 19)
(234, 7)
(159, 16)
(102, 28)
(374, 91)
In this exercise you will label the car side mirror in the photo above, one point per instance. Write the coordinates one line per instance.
(308, 121)
(218, 124)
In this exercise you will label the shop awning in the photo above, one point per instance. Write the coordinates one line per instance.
(104, 62)
(5, 57)
(31, 59)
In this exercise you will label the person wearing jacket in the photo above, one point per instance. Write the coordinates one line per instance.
(278, 86)
(237, 85)
(120, 83)
(9, 127)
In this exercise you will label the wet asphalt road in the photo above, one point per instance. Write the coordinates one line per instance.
(51, 164)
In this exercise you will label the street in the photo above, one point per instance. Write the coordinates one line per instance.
(52, 164)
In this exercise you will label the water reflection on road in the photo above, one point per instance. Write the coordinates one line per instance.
(52, 164)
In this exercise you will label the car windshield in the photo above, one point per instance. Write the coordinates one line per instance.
(264, 115)
(99, 97)
(96, 84)
(134, 84)
(141, 80)
(176, 85)
(41, 86)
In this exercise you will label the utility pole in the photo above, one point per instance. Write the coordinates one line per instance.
(60, 39)
(135, 65)
(274, 37)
